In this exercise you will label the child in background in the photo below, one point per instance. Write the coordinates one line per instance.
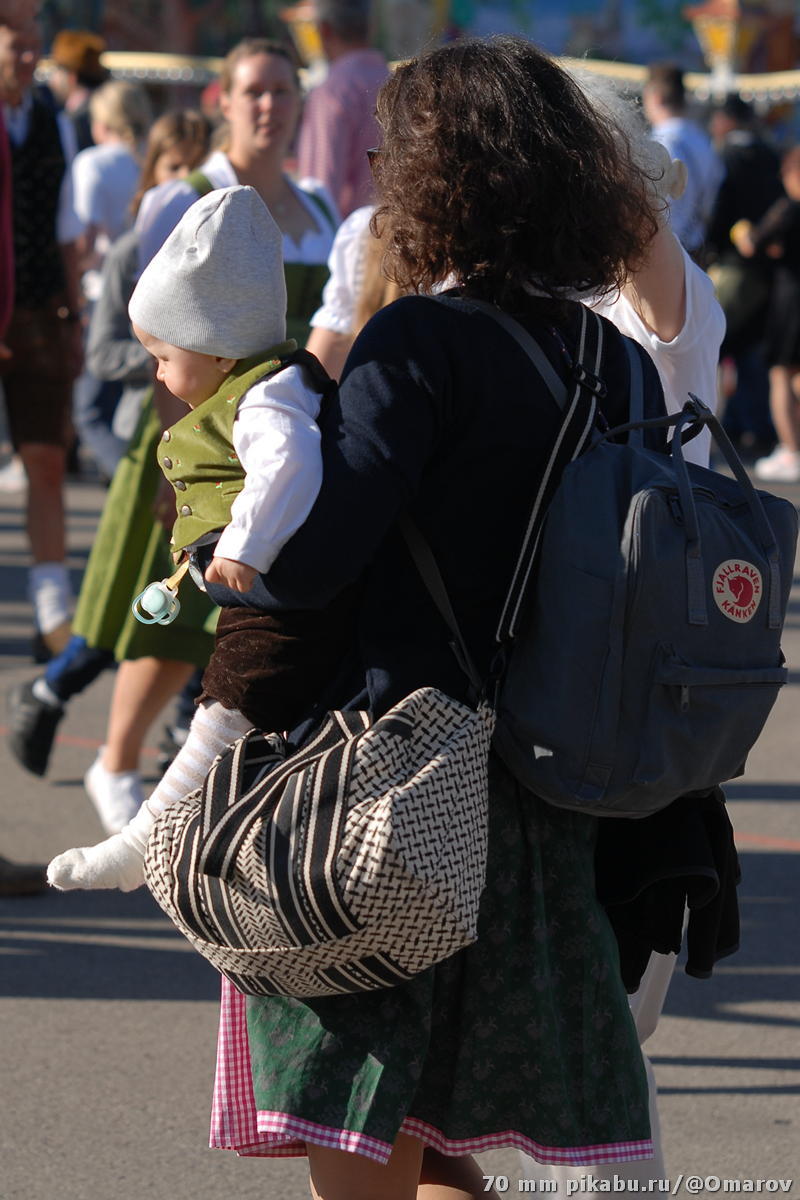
(210, 308)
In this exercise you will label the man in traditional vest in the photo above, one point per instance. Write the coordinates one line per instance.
(44, 334)
(16, 879)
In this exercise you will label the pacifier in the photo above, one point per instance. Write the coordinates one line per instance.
(158, 604)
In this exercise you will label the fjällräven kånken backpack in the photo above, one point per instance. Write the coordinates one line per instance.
(639, 645)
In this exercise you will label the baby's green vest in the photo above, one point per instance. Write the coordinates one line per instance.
(197, 454)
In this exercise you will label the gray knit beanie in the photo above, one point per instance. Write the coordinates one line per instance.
(217, 285)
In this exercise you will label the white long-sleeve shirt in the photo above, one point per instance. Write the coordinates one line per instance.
(276, 438)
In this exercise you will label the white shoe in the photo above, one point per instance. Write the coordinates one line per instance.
(13, 477)
(781, 466)
(117, 795)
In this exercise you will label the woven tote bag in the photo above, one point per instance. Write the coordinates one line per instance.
(350, 865)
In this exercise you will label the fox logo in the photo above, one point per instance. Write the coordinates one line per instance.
(737, 589)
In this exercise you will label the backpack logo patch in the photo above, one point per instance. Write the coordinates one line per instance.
(737, 589)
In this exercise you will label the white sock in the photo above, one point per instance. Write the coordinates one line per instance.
(42, 691)
(212, 730)
(118, 862)
(50, 594)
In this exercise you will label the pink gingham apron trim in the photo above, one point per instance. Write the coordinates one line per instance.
(237, 1124)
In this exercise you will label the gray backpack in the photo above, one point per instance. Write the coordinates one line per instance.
(639, 645)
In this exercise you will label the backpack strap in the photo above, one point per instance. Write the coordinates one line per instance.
(579, 406)
(579, 419)
(636, 397)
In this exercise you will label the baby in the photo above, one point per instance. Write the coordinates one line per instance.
(245, 464)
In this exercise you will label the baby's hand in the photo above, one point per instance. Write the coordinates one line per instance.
(235, 575)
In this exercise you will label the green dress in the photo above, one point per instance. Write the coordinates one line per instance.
(523, 1039)
(130, 550)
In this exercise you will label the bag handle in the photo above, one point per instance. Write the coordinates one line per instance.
(696, 410)
(224, 826)
(695, 414)
(428, 568)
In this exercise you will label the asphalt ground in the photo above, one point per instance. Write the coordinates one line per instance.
(108, 1019)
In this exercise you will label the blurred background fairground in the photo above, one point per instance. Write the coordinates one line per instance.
(748, 46)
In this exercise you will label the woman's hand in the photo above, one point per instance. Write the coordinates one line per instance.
(235, 575)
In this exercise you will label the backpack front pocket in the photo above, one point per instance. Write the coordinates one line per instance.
(700, 720)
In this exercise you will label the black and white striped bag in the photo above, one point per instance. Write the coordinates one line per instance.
(350, 865)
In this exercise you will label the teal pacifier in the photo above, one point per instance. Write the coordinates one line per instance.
(158, 604)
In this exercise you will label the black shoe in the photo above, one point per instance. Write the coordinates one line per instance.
(32, 728)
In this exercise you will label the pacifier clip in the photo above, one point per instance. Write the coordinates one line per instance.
(158, 604)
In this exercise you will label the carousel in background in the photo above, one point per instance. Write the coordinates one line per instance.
(746, 46)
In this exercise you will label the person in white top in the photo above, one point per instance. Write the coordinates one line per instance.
(210, 309)
(105, 176)
(668, 306)
(104, 180)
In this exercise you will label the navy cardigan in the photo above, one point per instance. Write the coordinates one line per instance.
(439, 414)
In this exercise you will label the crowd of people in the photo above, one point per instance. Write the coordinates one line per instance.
(171, 262)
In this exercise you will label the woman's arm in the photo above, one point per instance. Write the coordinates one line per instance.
(334, 322)
(657, 290)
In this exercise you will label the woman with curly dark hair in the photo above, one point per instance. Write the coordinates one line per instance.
(497, 182)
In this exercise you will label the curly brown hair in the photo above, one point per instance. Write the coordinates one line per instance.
(495, 169)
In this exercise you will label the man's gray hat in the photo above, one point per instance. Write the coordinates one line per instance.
(217, 284)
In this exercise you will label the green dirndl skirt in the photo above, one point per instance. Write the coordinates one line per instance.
(130, 550)
(523, 1039)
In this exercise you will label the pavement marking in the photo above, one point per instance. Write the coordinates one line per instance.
(761, 839)
(68, 739)
(123, 942)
